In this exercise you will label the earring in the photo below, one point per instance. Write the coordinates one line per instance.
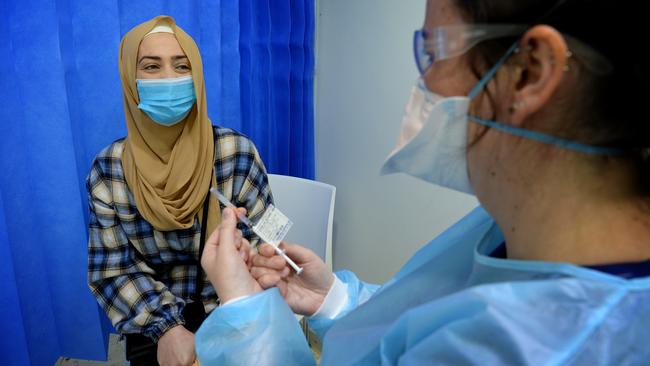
(566, 65)
(526, 49)
(568, 55)
(515, 106)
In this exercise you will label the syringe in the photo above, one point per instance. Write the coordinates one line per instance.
(250, 224)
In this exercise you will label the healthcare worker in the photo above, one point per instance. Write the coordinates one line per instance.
(536, 107)
(150, 210)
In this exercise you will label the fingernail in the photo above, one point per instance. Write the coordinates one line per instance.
(227, 214)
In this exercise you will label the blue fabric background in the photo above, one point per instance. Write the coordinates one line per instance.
(60, 103)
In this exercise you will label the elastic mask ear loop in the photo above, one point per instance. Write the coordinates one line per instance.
(533, 135)
(490, 74)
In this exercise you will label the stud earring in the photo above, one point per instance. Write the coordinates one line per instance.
(525, 49)
(515, 106)
(566, 65)
(568, 55)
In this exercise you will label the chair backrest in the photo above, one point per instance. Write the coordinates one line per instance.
(310, 205)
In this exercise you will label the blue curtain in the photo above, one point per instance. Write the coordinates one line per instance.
(60, 103)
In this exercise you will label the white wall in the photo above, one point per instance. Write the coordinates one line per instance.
(364, 74)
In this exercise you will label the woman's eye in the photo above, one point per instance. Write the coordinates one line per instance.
(151, 67)
(183, 67)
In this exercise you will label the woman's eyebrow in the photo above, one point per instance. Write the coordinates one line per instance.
(158, 58)
(155, 58)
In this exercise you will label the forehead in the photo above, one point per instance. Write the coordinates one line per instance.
(160, 44)
(442, 12)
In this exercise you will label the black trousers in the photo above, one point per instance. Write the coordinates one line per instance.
(142, 351)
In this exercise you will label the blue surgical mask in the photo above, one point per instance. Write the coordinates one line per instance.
(166, 101)
(433, 141)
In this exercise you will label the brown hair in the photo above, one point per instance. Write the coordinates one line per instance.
(609, 99)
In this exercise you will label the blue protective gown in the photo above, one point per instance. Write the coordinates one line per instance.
(451, 304)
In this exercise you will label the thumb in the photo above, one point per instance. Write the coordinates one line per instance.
(227, 229)
(229, 218)
(266, 250)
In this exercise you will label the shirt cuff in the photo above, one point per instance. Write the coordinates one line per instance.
(235, 299)
(334, 302)
(157, 329)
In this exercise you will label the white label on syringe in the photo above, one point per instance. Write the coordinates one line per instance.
(273, 226)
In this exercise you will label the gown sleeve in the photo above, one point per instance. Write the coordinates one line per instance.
(262, 330)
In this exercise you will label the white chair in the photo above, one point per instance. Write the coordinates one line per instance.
(310, 205)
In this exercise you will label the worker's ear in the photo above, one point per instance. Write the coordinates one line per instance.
(542, 59)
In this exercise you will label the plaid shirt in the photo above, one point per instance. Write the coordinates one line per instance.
(141, 276)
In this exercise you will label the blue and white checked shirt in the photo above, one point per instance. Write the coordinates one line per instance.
(142, 276)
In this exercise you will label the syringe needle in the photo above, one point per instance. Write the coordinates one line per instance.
(250, 224)
(227, 203)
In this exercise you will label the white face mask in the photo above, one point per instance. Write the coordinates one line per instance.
(432, 144)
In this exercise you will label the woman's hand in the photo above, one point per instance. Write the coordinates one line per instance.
(225, 259)
(305, 292)
(176, 347)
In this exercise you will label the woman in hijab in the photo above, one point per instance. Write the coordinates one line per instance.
(148, 197)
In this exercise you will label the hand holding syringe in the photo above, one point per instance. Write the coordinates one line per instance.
(271, 228)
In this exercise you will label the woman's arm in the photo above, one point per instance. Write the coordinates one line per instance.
(252, 326)
(257, 330)
(118, 277)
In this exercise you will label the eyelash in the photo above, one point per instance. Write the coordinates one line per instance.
(152, 67)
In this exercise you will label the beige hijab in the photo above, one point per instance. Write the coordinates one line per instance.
(168, 169)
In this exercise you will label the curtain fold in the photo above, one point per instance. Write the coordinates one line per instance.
(276, 79)
(60, 103)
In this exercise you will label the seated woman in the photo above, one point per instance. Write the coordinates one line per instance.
(150, 208)
(538, 108)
